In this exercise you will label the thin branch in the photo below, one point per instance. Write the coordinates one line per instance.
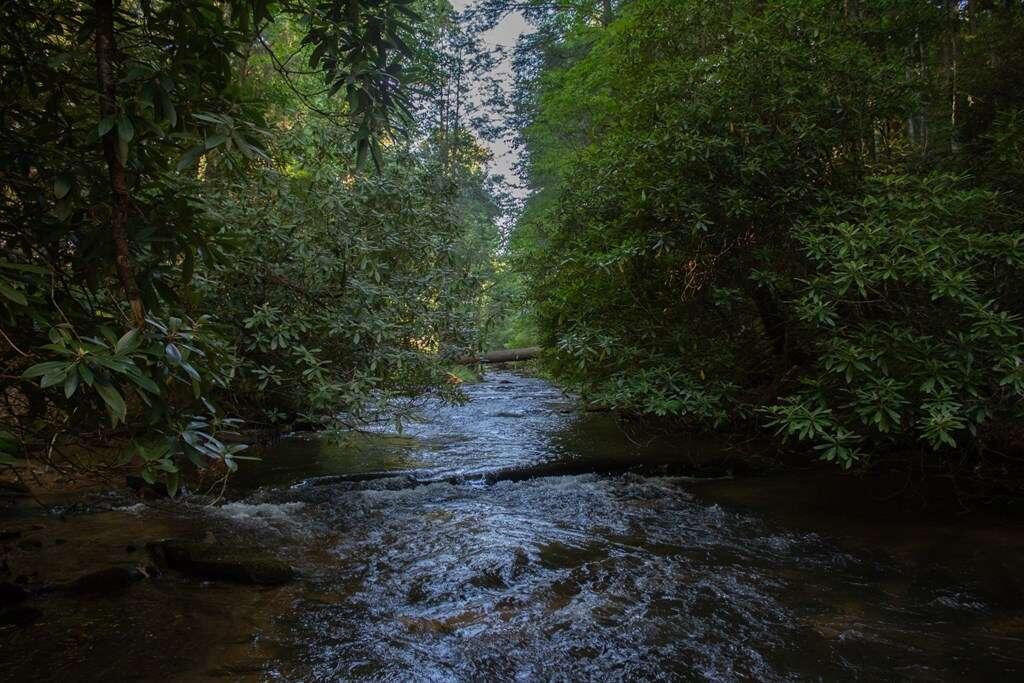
(13, 345)
(284, 72)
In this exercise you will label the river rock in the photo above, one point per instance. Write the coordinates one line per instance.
(11, 594)
(13, 489)
(216, 563)
(144, 489)
(21, 615)
(104, 581)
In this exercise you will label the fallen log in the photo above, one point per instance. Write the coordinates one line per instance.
(502, 356)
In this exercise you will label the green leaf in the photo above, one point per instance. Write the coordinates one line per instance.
(52, 378)
(8, 447)
(71, 384)
(105, 125)
(63, 209)
(8, 459)
(13, 294)
(170, 114)
(125, 129)
(215, 140)
(144, 382)
(173, 479)
(40, 369)
(362, 150)
(61, 186)
(173, 354)
(112, 363)
(128, 342)
(114, 402)
(189, 158)
(190, 371)
(24, 267)
(194, 456)
(209, 118)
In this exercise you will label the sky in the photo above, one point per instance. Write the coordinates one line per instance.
(505, 34)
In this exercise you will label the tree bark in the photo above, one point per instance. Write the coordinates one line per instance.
(106, 54)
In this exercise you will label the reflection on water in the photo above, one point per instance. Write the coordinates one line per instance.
(436, 575)
(297, 458)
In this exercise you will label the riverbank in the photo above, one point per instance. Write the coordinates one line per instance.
(987, 479)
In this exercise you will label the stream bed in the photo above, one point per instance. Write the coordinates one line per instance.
(516, 538)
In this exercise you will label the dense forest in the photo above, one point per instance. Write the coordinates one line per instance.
(801, 218)
(217, 212)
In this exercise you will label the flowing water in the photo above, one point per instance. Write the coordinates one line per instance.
(478, 546)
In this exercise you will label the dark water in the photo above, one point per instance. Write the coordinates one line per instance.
(439, 569)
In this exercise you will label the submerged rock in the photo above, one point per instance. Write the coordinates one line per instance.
(22, 615)
(13, 489)
(11, 594)
(104, 581)
(560, 407)
(216, 563)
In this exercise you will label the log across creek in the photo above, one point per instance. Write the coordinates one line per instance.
(502, 356)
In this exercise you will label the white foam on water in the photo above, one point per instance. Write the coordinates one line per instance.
(263, 514)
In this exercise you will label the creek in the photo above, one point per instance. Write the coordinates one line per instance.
(517, 538)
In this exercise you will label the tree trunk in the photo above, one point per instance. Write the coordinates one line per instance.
(106, 53)
(772, 320)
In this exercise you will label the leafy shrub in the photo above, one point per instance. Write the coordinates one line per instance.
(183, 248)
(913, 310)
(342, 287)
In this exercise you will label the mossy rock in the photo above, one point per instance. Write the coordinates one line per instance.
(214, 562)
(104, 581)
